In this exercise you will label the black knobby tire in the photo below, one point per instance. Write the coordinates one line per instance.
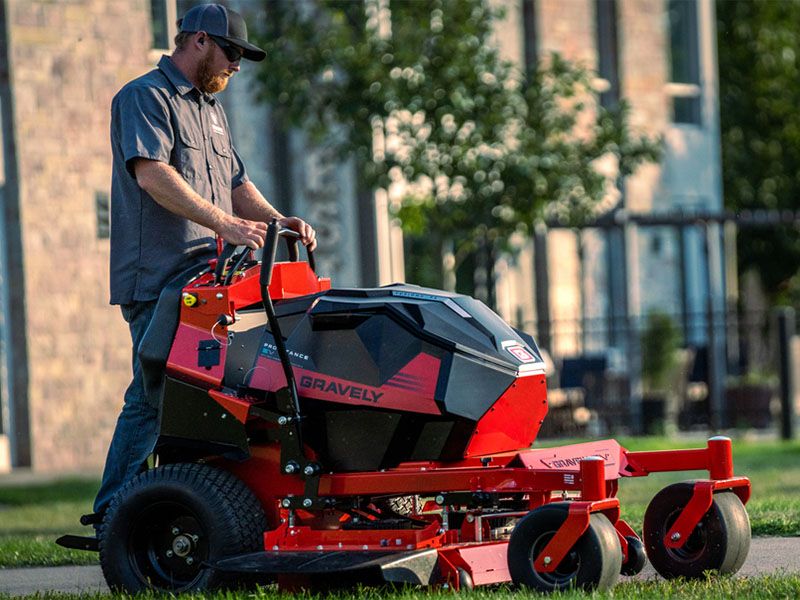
(720, 542)
(594, 562)
(637, 558)
(164, 524)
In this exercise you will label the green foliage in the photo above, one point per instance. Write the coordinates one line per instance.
(759, 67)
(474, 149)
(660, 340)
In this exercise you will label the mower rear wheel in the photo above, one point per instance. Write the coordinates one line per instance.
(164, 524)
(594, 562)
(720, 541)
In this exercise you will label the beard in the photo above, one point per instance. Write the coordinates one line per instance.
(210, 82)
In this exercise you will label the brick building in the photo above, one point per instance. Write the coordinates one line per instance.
(64, 352)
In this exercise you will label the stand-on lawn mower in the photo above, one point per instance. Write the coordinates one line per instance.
(302, 427)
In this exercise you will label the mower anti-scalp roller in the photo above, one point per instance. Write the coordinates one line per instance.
(312, 435)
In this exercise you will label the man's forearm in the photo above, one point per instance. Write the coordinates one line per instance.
(170, 190)
(248, 203)
(166, 186)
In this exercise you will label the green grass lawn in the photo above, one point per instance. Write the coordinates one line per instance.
(784, 587)
(32, 516)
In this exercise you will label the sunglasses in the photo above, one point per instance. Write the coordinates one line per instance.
(232, 53)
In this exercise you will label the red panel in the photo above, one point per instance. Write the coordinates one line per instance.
(567, 458)
(292, 279)
(236, 406)
(262, 474)
(487, 563)
(514, 420)
(424, 368)
(183, 355)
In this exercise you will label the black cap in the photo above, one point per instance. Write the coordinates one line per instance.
(223, 22)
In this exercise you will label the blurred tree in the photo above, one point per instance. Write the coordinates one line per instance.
(472, 149)
(759, 67)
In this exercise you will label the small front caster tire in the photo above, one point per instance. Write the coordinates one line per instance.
(636, 557)
(719, 543)
(593, 563)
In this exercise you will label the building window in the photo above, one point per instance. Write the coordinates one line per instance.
(607, 52)
(163, 17)
(160, 23)
(101, 205)
(530, 45)
(684, 86)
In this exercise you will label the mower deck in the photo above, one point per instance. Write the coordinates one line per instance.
(416, 567)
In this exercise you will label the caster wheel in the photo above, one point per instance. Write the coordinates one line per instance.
(594, 562)
(636, 557)
(720, 541)
(465, 582)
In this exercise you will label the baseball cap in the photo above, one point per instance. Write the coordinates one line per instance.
(223, 22)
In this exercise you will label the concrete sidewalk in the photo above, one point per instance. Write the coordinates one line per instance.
(24, 582)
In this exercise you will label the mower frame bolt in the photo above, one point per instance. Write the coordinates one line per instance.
(307, 503)
(291, 467)
(282, 420)
(439, 499)
(309, 470)
(194, 538)
(470, 518)
(547, 560)
(189, 560)
(219, 296)
(175, 531)
(286, 503)
(675, 537)
(169, 553)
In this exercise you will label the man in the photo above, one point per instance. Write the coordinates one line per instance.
(177, 181)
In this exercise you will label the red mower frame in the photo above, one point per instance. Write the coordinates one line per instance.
(546, 518)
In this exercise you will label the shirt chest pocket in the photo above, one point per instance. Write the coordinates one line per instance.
(190, 154)
(222, 153)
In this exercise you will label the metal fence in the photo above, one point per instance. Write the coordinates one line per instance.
(597, 384)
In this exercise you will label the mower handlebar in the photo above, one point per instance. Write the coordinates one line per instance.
(271, 246)
(229, 251)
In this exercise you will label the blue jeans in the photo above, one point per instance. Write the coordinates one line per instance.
(137, 427)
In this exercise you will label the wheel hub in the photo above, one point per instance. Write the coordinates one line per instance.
(182, 545)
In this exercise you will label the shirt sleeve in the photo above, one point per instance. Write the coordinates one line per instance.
(238, 172)
(145, 129)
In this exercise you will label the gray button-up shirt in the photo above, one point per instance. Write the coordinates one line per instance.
(162, 116)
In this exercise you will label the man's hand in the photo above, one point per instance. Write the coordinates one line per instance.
(307, 234)
(242, 232)
(250, 204)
